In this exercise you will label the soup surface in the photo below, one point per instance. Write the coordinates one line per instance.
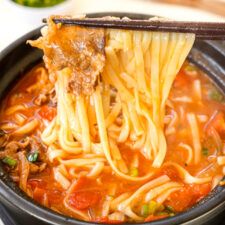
(71, 189)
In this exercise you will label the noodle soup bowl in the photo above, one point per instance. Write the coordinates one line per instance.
(19, 57)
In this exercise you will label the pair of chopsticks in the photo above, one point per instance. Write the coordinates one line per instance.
(202, 30)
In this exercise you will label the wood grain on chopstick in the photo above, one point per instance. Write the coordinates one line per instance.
(202, 30)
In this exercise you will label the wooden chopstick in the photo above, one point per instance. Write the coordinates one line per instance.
(202, 30)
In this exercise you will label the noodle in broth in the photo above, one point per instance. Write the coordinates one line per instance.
(135, 142)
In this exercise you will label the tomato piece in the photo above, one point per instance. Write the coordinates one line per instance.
(200, 190)
(33, 183)
(38, 194)
(83, 199)
(55, 196)
(155, 217)
(80, 183)
(181, 80)
(181, 199)
(188, 196)
(171, 172)
(47, 112)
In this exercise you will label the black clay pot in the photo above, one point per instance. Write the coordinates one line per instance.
(19, 57)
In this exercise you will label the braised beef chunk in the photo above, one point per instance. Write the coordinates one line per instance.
(79, 48)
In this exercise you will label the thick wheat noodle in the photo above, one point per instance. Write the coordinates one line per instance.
(192, 120)
(82, 115)
(15, 108)
(127, 107)
(163, 196)
(186, 176)
(96, 170)
(65, 183)
(159, 190)
(189, 151)
(27, 128)
(104, 139)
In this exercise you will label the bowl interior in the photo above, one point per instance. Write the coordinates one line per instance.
(20, 57)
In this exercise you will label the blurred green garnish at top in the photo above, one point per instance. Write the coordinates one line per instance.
(38, 3)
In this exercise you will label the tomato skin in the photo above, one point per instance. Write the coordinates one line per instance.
(187, 196)
(180, 80)
(153, 218)
(38, 194)
(81, 182)
(83, 199)
(171, 172)
(200, 190)
(55, 197)
(180, 200)
(47, 112)
(33, 183)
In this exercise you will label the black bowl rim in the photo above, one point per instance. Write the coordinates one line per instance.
(28, 205)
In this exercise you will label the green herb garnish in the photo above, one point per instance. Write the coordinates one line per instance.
(33, 156)
(38, 3)
(190, 68)
(134, 172)
(215, 95)
(145, 210)
(162, 214)
(205, 151)
(9, 161)
(169, 209)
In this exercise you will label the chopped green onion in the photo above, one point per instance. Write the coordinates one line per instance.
(134, 172)
(33, 156)
(190, 68)
(215, 95)
(162, 214)
(9, 161)
(152, 207)
(145, 210)
(205, 151)
(169, 208)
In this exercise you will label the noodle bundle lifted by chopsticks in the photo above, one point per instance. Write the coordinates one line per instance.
(130, 74)
(111, 90)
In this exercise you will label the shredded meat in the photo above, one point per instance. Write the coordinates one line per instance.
(34, 168)
(12, 148)
(3, 139)
(78, 48)
(24, 169)
(41, 99)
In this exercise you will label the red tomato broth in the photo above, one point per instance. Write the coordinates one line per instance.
(89, 194)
